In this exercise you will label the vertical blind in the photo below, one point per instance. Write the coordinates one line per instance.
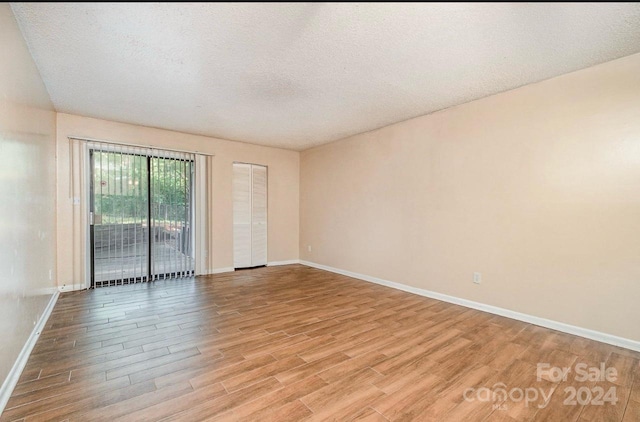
(142, 202)
(172, 216)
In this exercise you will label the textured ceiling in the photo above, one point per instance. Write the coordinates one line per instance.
(298, 75)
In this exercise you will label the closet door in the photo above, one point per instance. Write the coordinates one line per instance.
(241, 215)
(258, 216)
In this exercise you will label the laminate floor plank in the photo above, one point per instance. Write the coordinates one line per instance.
(294, 343)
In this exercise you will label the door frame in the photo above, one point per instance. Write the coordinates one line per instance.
(88, 227)
(74, 256)
(83, 179)
(266, 167)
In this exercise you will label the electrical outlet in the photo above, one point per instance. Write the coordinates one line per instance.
(309, 248)
(50, 274)
(477, 278)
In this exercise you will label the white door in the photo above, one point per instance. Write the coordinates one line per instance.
(258, 216)
(249, 215)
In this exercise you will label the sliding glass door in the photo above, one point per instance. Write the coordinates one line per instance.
(142, 214)
(171, 217)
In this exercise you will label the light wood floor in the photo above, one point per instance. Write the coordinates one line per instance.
(296, 343)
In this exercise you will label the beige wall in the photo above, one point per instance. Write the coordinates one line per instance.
(536, 188)
(27, 193)
(283, 222)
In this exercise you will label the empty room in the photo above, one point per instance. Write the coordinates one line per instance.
(320, 212)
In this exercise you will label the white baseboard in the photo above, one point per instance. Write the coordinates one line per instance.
(289, 262)
(547, 323)
(73, 287)
(14, 374)
(270, 264)
(42, 292)
(221, 270)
